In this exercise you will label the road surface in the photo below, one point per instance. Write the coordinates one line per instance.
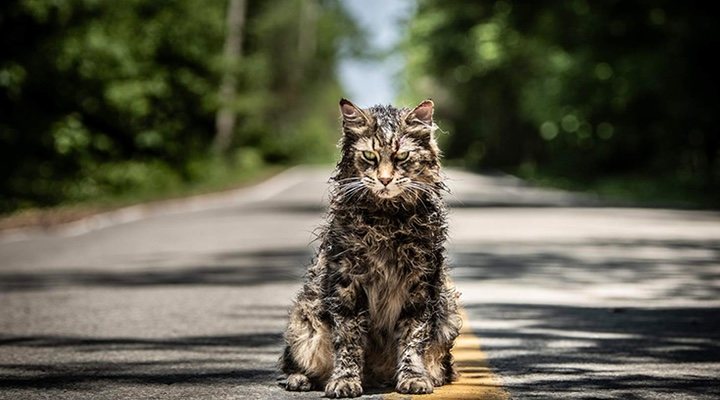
(563, 299)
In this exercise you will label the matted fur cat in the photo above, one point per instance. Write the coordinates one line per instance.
(377, 307)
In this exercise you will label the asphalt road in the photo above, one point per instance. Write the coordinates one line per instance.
(189, 299)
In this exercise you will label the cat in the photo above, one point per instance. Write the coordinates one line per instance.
(377, 307)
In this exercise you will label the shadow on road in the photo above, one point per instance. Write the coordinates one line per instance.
(654, 269)
(574, 349)
(544, 351)
(235, 268)
(206, 370)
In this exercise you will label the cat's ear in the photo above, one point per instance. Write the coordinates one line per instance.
(422, 114)
(351, 113)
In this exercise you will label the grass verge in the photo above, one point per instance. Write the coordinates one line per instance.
(220, 180)
(685, 192)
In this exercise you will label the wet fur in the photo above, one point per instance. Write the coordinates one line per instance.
(377, 307)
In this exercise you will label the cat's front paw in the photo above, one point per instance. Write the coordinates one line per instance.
(298, 383)
(343, 388)
(415, 385)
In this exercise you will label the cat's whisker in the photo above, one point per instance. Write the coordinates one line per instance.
(347, 181)
(348, 186)
(429, 189)
(421, 188)
(352, 189)
(351, 183)
(363, 193)
(416, 191)
(359, 190)
(354, 178)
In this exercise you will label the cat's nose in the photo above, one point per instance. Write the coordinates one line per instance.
(385, 181)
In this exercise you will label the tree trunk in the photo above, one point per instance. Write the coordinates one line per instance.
(306, 44)
(225, 118)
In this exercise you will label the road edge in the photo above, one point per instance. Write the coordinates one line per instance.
(206, 201)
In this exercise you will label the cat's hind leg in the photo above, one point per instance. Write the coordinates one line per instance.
(439, 360)
(296, 380)
(440, 364)
(308, 356)
(298, 383)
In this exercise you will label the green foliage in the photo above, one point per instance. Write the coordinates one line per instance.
(102, 97)
(574, 88)
(116, 178)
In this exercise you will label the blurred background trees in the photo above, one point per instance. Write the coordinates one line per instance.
(575, 91)
(102, 97)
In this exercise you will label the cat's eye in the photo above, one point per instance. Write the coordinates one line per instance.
(369, 155)
(401, 155)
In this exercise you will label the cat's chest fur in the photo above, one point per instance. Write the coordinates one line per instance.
(386, 290)
(394, 255)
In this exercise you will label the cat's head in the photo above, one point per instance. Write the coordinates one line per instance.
(388, 152)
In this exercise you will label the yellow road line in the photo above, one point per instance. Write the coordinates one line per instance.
(476, 381)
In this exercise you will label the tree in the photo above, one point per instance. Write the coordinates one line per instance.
(225, 120)
(578, 89)
(101, 98)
